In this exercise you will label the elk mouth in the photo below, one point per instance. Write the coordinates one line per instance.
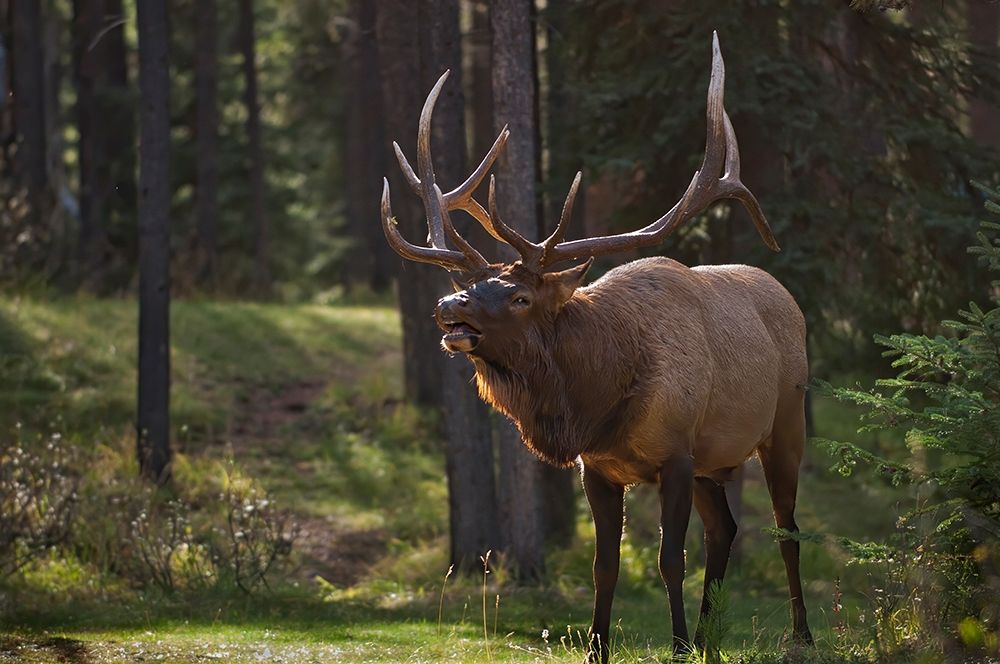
(460, 337)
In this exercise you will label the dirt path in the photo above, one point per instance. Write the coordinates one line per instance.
(328, 548)
(48, 649)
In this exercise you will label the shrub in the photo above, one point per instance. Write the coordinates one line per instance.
(196, 540)
(257, 534)
(214, 526)
(167, 546)
(942, 567)
(38, 494)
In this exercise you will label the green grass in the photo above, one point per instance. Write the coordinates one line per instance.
(76, 358)
(308, 400)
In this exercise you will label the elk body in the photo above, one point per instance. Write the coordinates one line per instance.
(655, 373)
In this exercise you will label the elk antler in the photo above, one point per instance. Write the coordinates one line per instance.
(707, 186)
(718, 177)
(437, 205)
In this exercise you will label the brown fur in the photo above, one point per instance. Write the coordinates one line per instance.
(653, 360)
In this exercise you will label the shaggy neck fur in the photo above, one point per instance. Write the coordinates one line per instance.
(561, 383)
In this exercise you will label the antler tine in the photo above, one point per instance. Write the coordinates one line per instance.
(567, 212)
(446, 258)
(715, 153)
(732, 149)
(463, 192)
(437, 205)
(479, 213)
(460, 198)
(425, 166)
(708, 185)
(530, 252)
(739, 190)
(404, 165)
(475, 258)
(439, 225)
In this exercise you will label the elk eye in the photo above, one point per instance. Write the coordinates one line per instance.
(521, 301)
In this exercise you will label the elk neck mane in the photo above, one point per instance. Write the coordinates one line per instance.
(547, 389)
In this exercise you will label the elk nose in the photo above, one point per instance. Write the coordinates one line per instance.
(456, 300)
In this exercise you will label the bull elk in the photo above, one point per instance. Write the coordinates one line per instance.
(656, 372)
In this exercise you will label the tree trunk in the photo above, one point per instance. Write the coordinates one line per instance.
(62, 235)
(984, 31)
(478, 92)
(118, 103)
(364, 159)
(513, 42)
(471, 486)
(87, 67)
(207, 138)
(559, 484)
(409, 68)
(472, 498)
(480, 84)
(8, 126)
(154, 243)
(258, 213)
(105, 144)
(419, 285)
(559, 494)
(29, 104)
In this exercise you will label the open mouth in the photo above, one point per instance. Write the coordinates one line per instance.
(460, 337)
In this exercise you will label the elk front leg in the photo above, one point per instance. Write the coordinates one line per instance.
(607, 506)
(676, 486)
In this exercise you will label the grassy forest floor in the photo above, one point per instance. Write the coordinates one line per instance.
(307, 399)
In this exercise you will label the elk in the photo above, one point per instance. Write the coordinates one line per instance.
(656, 372)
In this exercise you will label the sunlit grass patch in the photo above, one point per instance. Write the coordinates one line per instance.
(76, 357)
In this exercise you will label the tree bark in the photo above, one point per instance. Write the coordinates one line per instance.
(558, 484)
(419, 285)
(207, 138)
(480, 84)
(984, 31)
(477, 86)
(364, 158)
(87, 67)
(258, 213)
(29, 104)
(471, 487)
(409, 68)
(105, 144)
(154, 243)
(118, 103)
(61, 227)
(559, 493)
(513, 42)
(8, 126)
(472, 498)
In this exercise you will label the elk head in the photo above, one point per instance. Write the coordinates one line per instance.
(502, 311)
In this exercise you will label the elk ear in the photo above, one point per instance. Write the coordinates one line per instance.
(567, 281)
(460, 284)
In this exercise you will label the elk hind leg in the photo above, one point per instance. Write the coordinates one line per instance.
(720, 531)
(676, 486)
(780, 458)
